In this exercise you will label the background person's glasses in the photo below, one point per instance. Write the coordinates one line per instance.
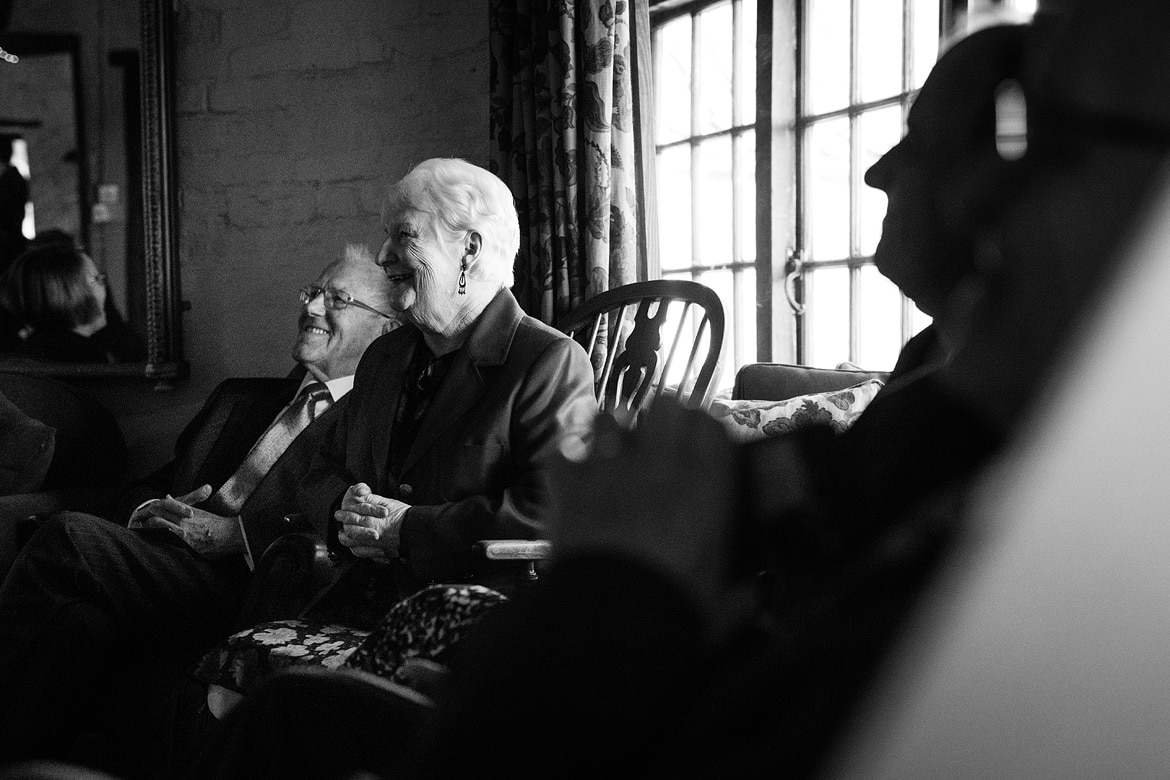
(336, 299)
(98, 278)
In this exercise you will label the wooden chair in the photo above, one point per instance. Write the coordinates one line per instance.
(640, 330)
(635, 317)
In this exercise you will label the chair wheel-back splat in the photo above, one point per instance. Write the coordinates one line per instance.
(633, 371)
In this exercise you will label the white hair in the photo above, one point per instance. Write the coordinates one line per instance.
(464, 198)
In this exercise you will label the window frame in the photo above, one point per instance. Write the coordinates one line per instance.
(780, 127)
(662, 13)
(799, 263)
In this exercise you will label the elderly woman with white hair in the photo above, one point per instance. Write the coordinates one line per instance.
(455, 419)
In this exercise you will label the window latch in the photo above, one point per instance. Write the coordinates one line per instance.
(793, 268)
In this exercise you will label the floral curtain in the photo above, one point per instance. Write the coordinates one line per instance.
(563, 139)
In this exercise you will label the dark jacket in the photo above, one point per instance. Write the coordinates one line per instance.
(216, 441)
(517, 396)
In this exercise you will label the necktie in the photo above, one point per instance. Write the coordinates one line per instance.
(312, 401)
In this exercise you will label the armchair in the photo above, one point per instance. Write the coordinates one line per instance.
(87, 463)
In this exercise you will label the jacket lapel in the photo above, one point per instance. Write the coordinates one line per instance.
(294, 457)
(389, 380)
(243, 424)
(464, 384)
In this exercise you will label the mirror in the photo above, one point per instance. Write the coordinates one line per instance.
(90, 102)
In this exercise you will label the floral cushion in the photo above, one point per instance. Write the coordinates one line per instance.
(422, 625)
(240, 661)
(751, 420)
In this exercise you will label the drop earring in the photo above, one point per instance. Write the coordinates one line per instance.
(463, 280)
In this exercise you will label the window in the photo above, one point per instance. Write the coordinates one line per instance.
(705, 128)
(858, 64)
(861, 62)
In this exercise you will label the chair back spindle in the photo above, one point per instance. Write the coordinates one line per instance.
(628, 323)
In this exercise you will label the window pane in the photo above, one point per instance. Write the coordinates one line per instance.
(827, 317)
(715, 58)
(926, 36)
(745, 178)
(879, 332)
(674, 207)
(713, 191)
(720, 282)
(826, 210)
(879, 48)
(744, 323)
(827, 42)
(673, 60)
(877, 131)
(746, 52)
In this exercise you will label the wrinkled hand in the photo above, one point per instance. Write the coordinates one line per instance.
(211, 535)
(662, 493)
(370, 524)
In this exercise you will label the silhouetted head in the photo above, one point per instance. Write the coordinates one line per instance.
(927, 242)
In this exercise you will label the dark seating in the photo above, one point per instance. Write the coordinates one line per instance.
(88, 463)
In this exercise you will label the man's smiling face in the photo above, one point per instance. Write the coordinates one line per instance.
(330, 342)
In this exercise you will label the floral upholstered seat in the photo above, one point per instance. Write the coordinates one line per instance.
(423, 625)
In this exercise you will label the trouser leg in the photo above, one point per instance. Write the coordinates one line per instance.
(84, 599)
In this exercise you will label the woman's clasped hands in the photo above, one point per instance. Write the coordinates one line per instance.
(370, 524)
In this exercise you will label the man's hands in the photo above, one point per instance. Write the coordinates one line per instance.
(370, 524)
(212, 536)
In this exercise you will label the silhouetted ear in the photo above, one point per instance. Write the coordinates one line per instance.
(390, 325)
(991, 70)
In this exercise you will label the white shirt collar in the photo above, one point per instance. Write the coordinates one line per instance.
(337, 387)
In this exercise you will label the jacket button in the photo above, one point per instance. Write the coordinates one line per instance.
(405, 490)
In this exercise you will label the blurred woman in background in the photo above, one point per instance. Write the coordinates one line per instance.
(59, 295)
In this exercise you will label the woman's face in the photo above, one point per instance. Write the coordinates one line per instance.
(96, 281)
(423, 267)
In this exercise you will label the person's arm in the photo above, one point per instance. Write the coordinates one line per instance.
(594, 665)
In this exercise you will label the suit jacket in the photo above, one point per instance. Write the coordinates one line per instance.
(517, 397)
(216, 441)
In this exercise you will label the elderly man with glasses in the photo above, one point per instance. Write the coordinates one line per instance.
(88, 599)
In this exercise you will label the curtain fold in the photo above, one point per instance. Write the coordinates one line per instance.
(563, 139)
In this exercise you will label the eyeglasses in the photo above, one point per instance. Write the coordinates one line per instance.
(336, 299)
(98, 278)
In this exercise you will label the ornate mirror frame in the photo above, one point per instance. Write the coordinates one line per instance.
(164, 343)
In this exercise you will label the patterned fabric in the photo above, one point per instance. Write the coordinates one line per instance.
(423, 625)
(562, 138)
(751, 420)
(243, 659)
